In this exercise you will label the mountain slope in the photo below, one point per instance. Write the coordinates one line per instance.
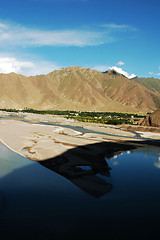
(151, 120)
(152, 84)
(77, 88)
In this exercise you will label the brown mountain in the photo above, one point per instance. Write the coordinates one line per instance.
(77, 88)
(151, 120)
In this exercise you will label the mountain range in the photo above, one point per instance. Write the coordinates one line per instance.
(80, 89)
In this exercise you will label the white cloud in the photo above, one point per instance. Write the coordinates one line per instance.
(151, 73)
(13, 35)
(17, 35)
(8, 65)
(157, 74)
(27, 68)
(32, 68)
(119, 70)
(103, 68)
(120, 63)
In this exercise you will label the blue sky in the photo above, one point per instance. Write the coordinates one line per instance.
(39, 36)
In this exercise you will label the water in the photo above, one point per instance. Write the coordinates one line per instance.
(83, 196)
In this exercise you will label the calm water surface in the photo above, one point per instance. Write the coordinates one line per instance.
(37, 203)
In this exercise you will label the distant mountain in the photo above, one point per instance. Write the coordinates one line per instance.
(77, 88)
(152, 84)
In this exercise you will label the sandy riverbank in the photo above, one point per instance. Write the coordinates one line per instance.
(39, 142)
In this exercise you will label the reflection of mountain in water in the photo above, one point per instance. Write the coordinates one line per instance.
(82, 164)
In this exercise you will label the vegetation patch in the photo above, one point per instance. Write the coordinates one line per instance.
(114, 118)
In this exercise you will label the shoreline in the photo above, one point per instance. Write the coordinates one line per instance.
(11, 148)
(40, 142)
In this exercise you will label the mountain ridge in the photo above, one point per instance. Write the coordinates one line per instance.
(77, 88)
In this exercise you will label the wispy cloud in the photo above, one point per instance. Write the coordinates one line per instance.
(155, 74)
(118, 27)
(27, 68)
(17, 35)
(115, 26)
(2, 25)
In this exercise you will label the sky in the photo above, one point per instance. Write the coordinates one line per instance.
(40, 36)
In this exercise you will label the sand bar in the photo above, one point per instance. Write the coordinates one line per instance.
(39, 142)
